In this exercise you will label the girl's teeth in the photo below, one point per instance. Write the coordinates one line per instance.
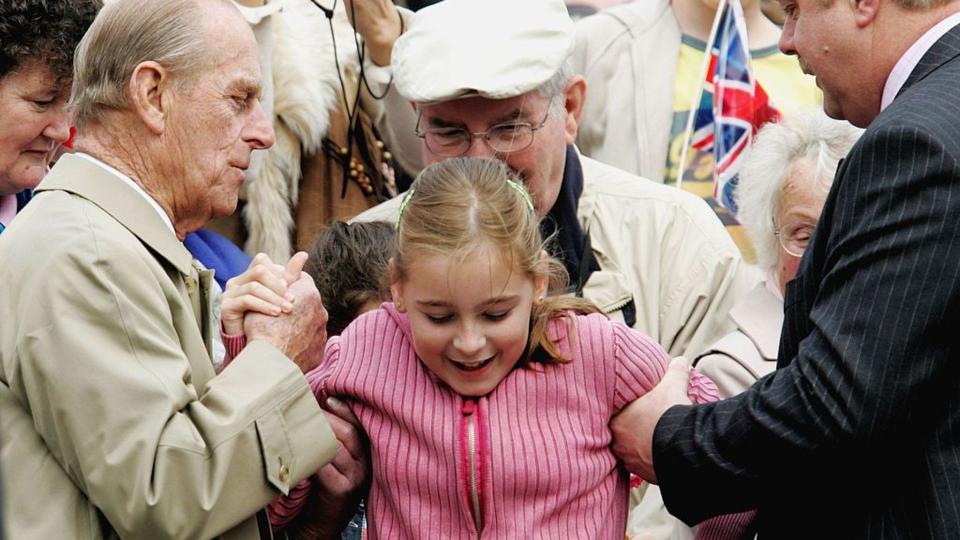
(473, 365)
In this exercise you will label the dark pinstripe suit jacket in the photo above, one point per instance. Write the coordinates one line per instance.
(858, 434)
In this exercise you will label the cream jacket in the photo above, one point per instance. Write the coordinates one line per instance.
(628, 56)
(113, 421)
(749, 352)
(657, 246)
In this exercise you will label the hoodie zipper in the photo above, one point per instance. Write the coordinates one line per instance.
(471, 413)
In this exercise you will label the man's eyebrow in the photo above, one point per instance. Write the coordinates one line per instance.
(249, 85)
(441, 123)
(512, 116)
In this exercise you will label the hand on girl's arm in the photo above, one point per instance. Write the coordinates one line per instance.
(633, 427)
(339, 485)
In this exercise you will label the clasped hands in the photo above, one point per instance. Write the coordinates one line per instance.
(281, 305)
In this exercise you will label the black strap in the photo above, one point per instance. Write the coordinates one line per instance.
(587, 265)
(263, 524)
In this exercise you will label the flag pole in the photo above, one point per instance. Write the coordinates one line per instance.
(695, 105)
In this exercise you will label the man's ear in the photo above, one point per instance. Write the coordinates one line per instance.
(147, 87)
(396, 287)
(865, 11)
(574, 96)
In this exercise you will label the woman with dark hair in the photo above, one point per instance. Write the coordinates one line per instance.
(37, 41)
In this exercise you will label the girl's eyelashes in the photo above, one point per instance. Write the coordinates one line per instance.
(490, 316)
(496, 316)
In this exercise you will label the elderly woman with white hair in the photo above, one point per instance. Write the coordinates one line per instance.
(783, 186)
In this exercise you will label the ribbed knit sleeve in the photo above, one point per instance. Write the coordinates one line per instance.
(641, 363)
(740, 526)
(233, 345)
(319, 375)
(284, 508)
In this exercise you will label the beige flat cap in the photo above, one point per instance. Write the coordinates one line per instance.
(491, 48)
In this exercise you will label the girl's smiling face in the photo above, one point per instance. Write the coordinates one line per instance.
(470, 318)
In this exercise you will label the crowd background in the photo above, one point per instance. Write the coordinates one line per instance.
(338, 113)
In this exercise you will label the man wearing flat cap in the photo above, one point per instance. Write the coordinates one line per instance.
(485, 84)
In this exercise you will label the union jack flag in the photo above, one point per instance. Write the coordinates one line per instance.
(732, 105)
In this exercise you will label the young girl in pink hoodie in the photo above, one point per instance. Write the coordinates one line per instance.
(486, 400)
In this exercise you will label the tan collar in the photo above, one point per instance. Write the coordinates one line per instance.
(98, 185)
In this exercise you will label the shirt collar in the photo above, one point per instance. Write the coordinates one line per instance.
(905, 66)
(136, 187)
(8, 208)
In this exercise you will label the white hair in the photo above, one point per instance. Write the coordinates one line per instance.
(806, 136)
(127, 33)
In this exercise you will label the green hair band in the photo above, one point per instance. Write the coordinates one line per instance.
(515, 185)
(523, 191)
(403, 204)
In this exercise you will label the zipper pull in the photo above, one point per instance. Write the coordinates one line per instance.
(469, 407)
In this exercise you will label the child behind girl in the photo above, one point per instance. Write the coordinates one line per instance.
(486, 401)
(348, 263)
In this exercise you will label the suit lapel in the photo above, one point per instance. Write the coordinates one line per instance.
(945, 49)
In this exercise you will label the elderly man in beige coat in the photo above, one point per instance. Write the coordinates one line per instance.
(114, 423)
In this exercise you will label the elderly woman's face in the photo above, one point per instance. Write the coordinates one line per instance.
(33, 123)
(799, 206)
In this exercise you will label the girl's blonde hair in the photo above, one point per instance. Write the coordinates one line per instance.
(460, 204)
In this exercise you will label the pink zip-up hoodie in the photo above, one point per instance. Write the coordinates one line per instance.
(530, 460)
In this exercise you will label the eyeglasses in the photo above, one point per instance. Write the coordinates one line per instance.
(794, 237)
(502, 138)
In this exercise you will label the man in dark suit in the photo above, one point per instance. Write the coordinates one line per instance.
(857, 435)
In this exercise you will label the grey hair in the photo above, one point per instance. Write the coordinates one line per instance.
(555, 85)
(807, 135)
(127, 33)
(922, 4)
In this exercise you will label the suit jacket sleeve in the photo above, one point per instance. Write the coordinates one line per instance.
(111, 393)
(870, 349)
